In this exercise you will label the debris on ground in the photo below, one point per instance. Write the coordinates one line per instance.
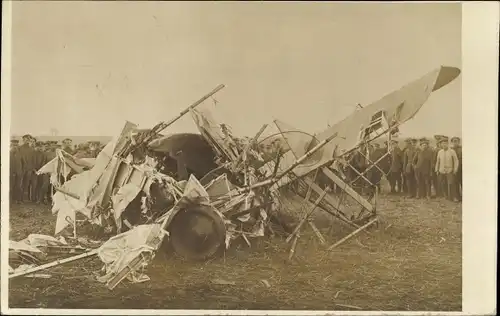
(139, 195)
(198, 193)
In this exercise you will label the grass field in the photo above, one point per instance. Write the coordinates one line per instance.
(411, 261)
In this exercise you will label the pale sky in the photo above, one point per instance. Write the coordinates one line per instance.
(86, 67)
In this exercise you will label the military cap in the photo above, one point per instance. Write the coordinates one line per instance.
(455, 138)
(443, 139)
(413, 140)
(408, 140)
(39, 143)
(67, 140)
(14, 141)
(423, 140)
(27, 136)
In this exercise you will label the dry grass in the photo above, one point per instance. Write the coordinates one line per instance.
(411, 261)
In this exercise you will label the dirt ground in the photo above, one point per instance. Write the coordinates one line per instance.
(411, 261)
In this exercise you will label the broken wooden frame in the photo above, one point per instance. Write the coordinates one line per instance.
(53, 264)
(334, 207)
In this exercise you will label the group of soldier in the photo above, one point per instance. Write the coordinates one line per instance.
(421, 171)
(28, 157)
(417, 171)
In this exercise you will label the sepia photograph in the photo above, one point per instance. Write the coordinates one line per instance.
(300, 156)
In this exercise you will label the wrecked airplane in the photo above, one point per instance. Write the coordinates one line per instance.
(198, 192)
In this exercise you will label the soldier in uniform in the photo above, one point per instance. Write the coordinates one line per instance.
(43, 179)
(93, 150)
(423, 163)
(50, 154)
(14, 144)
(81, 151)
(16, 172)
(27, 158)
(458, 177)
(408, 168)
(403, 175)
(380, 167)
(67, 146)
(434, 176)
(39, 161)
(395, 171)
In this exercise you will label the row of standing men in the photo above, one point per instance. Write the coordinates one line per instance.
(416, 170)
(26, 159)
(419, 169)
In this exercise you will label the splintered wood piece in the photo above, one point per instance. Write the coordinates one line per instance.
(353, 234)
(53, 264)
(246, 239)
(292, 249)
(317, 232)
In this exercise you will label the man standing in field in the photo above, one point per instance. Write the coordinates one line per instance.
(403, 175)
(446, 168)
(40, 161)
(408, 168)
(423, 169)
(380, 167)
(435, 180)
(457, 147)
(67, 146)
(27, 159)
(44, 179)
(395, 171)
(16, 172)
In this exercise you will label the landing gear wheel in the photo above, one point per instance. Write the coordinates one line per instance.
(197, 233)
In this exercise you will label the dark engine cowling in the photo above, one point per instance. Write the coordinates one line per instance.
(197, 232)
(187, 149)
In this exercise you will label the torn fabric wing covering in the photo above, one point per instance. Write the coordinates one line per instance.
(38, 240)
(63, 164)
(119, 251)
(22, 246)
(81, 185)
(398, 106)
(122, 199)
(89, 186)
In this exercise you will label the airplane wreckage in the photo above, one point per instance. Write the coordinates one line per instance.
(195, 193)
